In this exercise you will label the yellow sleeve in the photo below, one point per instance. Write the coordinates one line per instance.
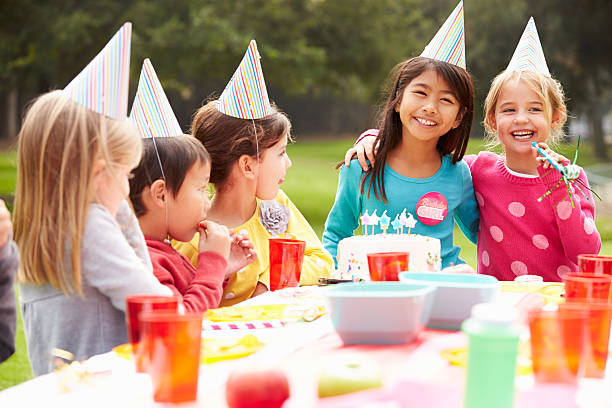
(189, 249)
(318, 263)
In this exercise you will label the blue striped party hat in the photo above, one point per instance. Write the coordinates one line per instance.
(103, 84)
(246, 96)
(528, 54)
(151, 111)
(448, 44)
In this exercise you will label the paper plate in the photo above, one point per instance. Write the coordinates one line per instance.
(264, 312)
(213, 350)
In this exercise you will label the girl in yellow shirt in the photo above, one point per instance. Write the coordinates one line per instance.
(247, 173)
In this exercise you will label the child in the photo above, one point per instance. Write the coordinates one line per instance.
(174, 206)
(247, 175)
(524, 229)
(9, 262)
(425, 126)
(424, 130)
(81, 249)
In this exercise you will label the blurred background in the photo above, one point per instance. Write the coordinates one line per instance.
(325, 63)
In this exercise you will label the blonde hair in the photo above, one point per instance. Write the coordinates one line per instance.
(548, 89)
(59, 144)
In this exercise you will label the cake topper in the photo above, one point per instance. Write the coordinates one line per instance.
(410, 222)
(396, 224)
(365, 221)
(384, 222)
(374, 220)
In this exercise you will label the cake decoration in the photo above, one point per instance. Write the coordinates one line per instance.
(384, 222)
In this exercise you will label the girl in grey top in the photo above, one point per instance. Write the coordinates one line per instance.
(81, 248)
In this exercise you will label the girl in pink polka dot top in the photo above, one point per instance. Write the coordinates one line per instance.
(522, 231)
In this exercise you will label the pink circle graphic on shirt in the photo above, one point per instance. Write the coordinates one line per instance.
(562, 270)
(480, 199)
(540, 241)
(486, 261)
(496, 233)
(517, 209)
(564, 210)
(432, 208)
(589, 226)
(519, 268)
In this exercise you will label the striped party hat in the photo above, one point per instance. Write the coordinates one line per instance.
(528, 54)
(151, 111)
(103, 84)
(448, 44)
(246, 96)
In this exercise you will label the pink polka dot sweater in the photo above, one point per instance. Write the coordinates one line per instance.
(519, 235)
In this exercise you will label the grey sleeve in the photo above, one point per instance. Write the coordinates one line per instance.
(116, 264)
(9, 262)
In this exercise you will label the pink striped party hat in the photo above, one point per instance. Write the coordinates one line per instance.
(528, 54)
(448, 44)
(246, 96)
(103, 84)
(151, 111)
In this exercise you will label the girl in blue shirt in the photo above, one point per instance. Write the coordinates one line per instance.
(423, 134)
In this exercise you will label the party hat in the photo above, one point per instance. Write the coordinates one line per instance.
(102, 86)
(448, 44)
(528, 54)
(246, 96)
(151, 111)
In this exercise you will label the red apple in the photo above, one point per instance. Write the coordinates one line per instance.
(256, 387)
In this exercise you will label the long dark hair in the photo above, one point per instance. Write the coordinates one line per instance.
(454, 142)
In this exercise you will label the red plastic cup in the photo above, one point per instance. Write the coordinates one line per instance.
(593, 263)
(598, 329)
(385, 266)
(588, 287)
(172, 343)
(286, 259)
(136, 304)
(558, 340)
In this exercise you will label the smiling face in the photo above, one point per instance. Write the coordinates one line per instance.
(520, 118)
(273, 166)
(429, 108)
(191, 203)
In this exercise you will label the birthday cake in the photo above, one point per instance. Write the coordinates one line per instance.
(424, 252)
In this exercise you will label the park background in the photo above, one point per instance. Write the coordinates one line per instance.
(325, 63)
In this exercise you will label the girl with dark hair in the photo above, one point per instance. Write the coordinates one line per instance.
(248, 164)
(423, 134)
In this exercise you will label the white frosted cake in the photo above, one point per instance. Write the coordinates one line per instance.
(353, 261)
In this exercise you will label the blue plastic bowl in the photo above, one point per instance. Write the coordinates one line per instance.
(379, 312)
(455, 295)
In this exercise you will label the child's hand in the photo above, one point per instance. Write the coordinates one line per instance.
(552, 154)
(242, 253)
(5, 224)
(364, 148)
(215, 238)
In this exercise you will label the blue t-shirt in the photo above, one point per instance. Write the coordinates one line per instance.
(453, 181)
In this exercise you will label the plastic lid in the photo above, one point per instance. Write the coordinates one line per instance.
(494, 313)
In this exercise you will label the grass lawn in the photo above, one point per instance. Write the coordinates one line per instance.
(311, 184)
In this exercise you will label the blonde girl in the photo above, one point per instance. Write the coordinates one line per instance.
(80, 243)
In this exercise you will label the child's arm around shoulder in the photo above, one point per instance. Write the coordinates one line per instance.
(114, 257)
(9, 262)
(318, 263)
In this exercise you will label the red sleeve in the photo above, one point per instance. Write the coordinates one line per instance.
(204, 291)
(369, 132)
